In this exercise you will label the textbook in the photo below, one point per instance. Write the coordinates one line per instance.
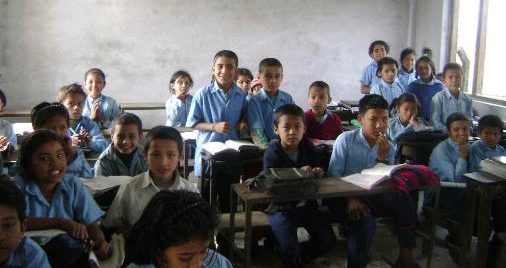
(99, 185)
(495, 166)
(326, 144)
(232, 148)
(371, 177)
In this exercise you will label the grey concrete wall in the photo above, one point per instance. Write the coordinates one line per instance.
(47, 44)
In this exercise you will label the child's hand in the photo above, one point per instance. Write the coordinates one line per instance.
(413, 121)
(103, 250)
(242, 126)
(95, 111)
(75, 229)
(317, 171)
(85, 136)
(221, 127)
(383, 145)
(4, 142)
(357, 209)
(464, 150)
(75, 140)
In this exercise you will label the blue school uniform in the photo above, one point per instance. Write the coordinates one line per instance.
(79, 167)
(28, 254)
(211, 259)
(396, 127)
(71, 200)
(424, 92)
(176, 110)
(388, 91)
(369, 75)
(7, 131)
(109, 163)
(444, 103)
(261, 111)
(98, 142)
(109, 108)
(212, 105)
(405, 77)
(482, 151)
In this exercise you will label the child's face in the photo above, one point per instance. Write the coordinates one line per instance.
(271, 78)
(459, 131)
(11, 231)
(181, 86)
(125, 138)
(490, 136)
(407, 110)
(388, 73)
(378, 52)
(48, 163)
(163, 157)
(244, 82)
(74, 103)
(424, 71)
(94, 84)
(58, 125)
(290, 129)
(452, 80)
(224, 70)
(408, 62)
(374, 124)
(189, 254)
(318, 99)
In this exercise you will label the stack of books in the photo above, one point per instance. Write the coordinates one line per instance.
(495, 166)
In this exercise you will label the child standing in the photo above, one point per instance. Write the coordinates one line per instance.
(8, 140)
(293, 150)
(407, 119)
(100, 108)
(407, 73)
(261, 106)
(82, 129)
(377, 50)
(389, 87)
(123, 156)
(320, 123)
(16, 250)
(450, 100)
(244, 78)
(178, 104)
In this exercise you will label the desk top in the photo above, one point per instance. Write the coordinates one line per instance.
(16, 113)
(143, 106)
(485, 178)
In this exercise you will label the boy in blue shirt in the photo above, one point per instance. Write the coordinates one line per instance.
(16, 250)
(490, 129)
(100, 108)
(363, 148)
(261, 106)
(377, 50)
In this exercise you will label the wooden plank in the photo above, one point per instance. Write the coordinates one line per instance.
(258, 219)
(142, 106)
(16, 113)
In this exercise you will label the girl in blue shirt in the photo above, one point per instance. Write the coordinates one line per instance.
(178, 104)
(407, 119)
(377, 50)
(407, 73)
(100, 108)
(389, 86)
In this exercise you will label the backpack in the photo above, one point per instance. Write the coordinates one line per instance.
(287, 183)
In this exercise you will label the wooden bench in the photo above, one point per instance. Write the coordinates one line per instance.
(258, 219)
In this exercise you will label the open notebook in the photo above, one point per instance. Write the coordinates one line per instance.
(231, 147)
(371, 177)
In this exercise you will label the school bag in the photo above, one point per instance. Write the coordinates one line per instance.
(287, 184)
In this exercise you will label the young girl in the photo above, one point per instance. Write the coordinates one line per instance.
(406, 119)
(389, 86)
(56, 200)
(100, 108)
(406, 73)
(377, 50)
(244, 79)
(178, 104)
(123, 156)
(426, 86)
(54, 116)
(175, 230)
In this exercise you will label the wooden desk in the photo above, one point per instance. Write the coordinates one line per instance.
(16, 113)
(143, 106)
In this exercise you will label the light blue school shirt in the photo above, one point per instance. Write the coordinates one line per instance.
(7, 131)
(79, 167)
(212, 259)
(388, 91)
(424, 92)
(109, 108)
(446, 162)
(396, 127)
(369, 75)
(444, 104)
(261, 111)
(71, 200)
(406, 78)
(98, 142)
(482, 151)
(28, 254)
(177, 110)
(352, 154)
(212, 105)
(110, 164)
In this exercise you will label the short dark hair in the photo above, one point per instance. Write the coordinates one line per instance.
(245, 72)
(44, 111)
(429, 61)
(180, 73)
(405, 52)
(385, 61)
(287, 109)
(227, 54)
(269, 62)
(127, 119)
(163, 133)
(3, 98)
(372, 101)
(490, 120)
(322, 85)
(452, 66)
(74, 88)
(12, 197)
(407, 97)
(378, 42)
(95, 71)
(454, 117)
(30, 144)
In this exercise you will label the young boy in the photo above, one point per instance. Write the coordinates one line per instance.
(320, 123)
(450, 100)
(100, 108)
(123, 157)
(293, 150)
(16, 250)
(83, 131)
(163, 148)
(490, 128)
(261, 106)
(363, 148)
(377, 50)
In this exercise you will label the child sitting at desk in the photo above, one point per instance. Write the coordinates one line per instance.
(178, 104)
(294, 150)
(8, 140)
(406, 118)
(320, 123)
(123, 156)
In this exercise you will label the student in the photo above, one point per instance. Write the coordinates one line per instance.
(123, 156)
(262, 105)
(244, 78)
(56, 200)
(16, 250)
(320, 123)
(175, 230)
(163, 149)
(178, 104)
(450, 99)
(389, 87)
(293, 150)
(377, 50)
(490, 129)
(407, 73)
(55, 117)
(426, 85)
(407, 119)
(100, 108)
(8, 140)
(363, 148)
(82, 129)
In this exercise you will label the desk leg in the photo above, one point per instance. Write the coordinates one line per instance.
(186, 155)
(212, 184)
(467, 229)
(432, 228)
(247, 235)
(486, 195)
(233, 209)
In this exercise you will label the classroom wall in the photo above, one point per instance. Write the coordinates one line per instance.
(47, 44)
